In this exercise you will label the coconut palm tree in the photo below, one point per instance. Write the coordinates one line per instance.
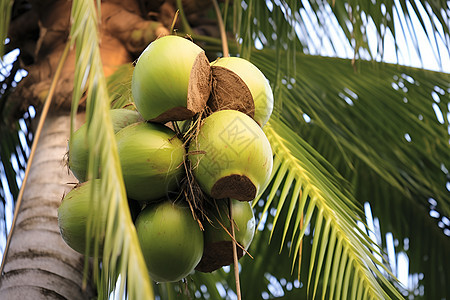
(351, 136)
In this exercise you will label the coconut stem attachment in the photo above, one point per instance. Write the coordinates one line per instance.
(223, 34)
(235, 256)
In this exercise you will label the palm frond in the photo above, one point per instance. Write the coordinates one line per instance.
(10, 145)
(389, 117)
(380, 119)
(10, 165)
(406, 228)
(119, 86)
(335, 217)
(365, 117)
(121, 253)
(14, 150)
(16, 136)
(351, 29)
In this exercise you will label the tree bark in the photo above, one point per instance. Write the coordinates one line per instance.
(39, 264)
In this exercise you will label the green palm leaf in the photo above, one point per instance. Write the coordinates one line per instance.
(119, 86)
(370, 114)
(121, 254)
(375, 137)
(343, 28)
(418, 235)
(335, 216)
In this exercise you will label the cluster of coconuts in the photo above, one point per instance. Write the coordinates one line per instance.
(223, 151)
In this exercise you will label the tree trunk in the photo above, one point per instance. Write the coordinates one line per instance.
(39, 264)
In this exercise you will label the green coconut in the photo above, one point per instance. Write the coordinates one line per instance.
(240, 85)
(218, 249)
(73, 213)
(123, 117)
(171, 80)
(78, 148)
(231, 156)
(151, 157)
(78, 154)
(171, 240)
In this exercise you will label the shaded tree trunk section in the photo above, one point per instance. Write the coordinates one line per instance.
(39, 264)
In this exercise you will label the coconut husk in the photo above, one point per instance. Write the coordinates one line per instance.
(199, 84)
(174, 114)
(234, 186)
(229, 91)
(217, 255)
(199, 90)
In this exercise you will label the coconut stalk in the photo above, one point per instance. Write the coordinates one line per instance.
(235, 256)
